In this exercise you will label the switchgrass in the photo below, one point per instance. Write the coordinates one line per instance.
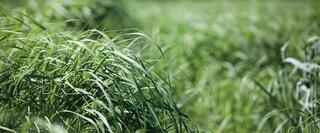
(83, 81)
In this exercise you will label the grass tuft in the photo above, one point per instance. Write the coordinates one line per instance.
(57, 82)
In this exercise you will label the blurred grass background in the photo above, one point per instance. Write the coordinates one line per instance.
(215, 49)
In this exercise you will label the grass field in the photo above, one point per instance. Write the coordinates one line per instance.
(159, 66)
(217, 49)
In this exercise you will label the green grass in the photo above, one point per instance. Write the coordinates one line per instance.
(217, 49)
(212, 66)
(79, 82)
(293, 98)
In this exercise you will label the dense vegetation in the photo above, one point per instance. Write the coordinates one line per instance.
(159, 66)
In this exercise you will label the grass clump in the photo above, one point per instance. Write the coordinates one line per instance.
(78, 82)
(293, 99)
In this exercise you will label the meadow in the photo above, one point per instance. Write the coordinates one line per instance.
(159, 66)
